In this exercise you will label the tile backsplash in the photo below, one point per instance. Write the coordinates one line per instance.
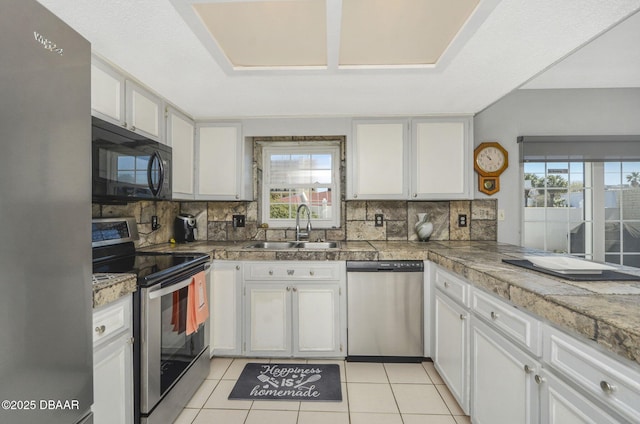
(214, 220)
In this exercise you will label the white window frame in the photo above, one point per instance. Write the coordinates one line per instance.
(328, 147)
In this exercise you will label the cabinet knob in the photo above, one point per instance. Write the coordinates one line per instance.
(607, 387)
(462, 317)
(288, 288)
(312, 273)
(538, 379)
(270, 272)
(295, 289)
(101, 329)
(355, 196)
(415, 194)
(237, 267)
(528, 369)
(237, 196)
(494, 315)
(446, 284)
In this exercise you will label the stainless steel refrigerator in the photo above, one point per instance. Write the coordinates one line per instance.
(45, 218)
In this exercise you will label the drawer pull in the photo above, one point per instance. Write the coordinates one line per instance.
(494, 315)
(528, 369)
(607, 387)
(101, 329)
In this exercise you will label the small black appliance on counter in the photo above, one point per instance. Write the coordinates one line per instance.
(184, 228)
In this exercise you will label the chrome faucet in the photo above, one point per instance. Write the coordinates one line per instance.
(303, 233)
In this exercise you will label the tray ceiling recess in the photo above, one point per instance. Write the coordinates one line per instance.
(326, 36)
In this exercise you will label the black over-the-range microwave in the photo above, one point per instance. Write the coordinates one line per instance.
(128, 166)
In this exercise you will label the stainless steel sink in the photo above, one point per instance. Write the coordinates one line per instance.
(281, 245)
(273, 245)
(318, 244)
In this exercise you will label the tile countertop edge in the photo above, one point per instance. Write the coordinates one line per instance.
(562, 310)
(112, 289)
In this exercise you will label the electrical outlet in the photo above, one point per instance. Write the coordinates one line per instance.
(154, 223)
(379, 220)
(238, 221)
(500, 214)
(462, 220)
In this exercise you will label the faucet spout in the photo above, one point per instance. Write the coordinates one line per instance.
(298, 213)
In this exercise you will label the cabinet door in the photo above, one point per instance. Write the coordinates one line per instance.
(225, 294)
(316, 320)
(561, 404)
(379, 160)
(107, 92)
(113, 382)
(145, 111)
(224, 170)
(441, 159)
(180, 136)
(451, 327)
(503, 389)
(268, 328)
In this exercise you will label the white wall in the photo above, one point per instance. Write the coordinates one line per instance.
(549, 112)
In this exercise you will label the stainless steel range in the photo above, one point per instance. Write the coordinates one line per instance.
(170, 359)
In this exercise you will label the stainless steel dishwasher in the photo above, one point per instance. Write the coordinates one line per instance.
(385, 311)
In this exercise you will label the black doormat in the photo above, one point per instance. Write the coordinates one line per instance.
(299, 382)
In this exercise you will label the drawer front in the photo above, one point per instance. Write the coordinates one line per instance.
(520, 327)
(454, 287)
(111, 320)
(283, 272)
(612, 382)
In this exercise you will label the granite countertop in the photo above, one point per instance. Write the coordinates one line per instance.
(607, 312)
(108, 288)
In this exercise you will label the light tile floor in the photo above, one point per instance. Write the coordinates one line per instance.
(372, 393)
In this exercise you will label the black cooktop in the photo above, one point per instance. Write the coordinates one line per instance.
(151, 266)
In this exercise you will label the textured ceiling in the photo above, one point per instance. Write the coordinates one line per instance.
(151, 40)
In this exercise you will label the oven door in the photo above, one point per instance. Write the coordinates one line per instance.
(166, 350)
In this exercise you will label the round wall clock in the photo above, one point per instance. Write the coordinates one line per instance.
(490, 159)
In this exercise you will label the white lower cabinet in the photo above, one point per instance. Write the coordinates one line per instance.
(293, 319)
(561, 404)
(226, 308)
(113, 363)
(503, 387)
(294, 309)
(522, 371)
(450, 353)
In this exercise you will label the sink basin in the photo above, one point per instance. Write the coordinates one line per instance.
(273, 245)
(317, 244)
(278, 245)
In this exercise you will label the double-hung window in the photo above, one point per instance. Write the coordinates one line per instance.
(582, 196)
(301, 173)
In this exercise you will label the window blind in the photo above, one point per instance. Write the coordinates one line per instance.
(591, 148)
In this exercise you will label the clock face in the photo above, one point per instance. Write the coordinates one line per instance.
(490, 159)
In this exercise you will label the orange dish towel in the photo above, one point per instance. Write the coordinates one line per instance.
(197, 306)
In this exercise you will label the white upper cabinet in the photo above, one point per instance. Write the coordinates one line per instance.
(107, 92)
(418, 159)
(144, 111)
(224, 162)
(181, 137)
(116, 99)
(378, 153)
(441, 158)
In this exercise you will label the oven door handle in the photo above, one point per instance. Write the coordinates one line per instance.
(162, 291)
